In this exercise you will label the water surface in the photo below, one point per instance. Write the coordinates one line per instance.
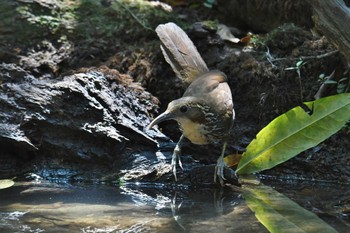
(41, 206)
(51, 207)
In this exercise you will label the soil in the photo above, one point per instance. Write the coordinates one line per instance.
(262, 85)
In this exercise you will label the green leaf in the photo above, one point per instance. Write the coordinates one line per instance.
(343, 80)
(6, 183)
(280, 214)
(341, 88)
(295, 131)
(331, 82)
(290, 68)
(300, 63)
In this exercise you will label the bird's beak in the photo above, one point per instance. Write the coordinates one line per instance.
(162, 117)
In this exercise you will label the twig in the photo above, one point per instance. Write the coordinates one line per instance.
(269, 57)
(306, 57)
(324, 86)
(134, 16)
(321, 55)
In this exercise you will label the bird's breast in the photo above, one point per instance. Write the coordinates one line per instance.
(195, 132)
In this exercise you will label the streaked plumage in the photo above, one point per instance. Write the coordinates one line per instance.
(205, 112)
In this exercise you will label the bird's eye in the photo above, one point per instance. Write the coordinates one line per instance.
(183, 109)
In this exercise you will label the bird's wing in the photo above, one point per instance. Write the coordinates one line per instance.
(206, 83)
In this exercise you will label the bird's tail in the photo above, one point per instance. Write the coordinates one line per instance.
(180, 52)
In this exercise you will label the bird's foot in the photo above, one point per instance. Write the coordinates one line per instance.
(219, 171)
(176, 159)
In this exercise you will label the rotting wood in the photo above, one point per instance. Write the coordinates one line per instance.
(332, 19)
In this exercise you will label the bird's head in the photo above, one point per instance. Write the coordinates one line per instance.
(183, 109)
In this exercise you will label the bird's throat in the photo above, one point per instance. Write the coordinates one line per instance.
(193, 131)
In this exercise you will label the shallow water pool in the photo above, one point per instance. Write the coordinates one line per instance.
(39, 206)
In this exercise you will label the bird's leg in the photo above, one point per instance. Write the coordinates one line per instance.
(173, 207)
(176, 156)
(219, 168)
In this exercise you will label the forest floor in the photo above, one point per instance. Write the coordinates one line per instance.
(58, 38)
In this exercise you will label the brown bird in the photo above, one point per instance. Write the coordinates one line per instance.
(205, 112)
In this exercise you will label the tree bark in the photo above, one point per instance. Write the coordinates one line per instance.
(264, 15)
(332, 19)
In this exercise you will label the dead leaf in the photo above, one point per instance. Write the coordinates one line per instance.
(225, 34)
(6, 183)
(232, 160)
(247, 38)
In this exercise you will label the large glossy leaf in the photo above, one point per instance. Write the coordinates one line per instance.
(294, 132)
(280, 214)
